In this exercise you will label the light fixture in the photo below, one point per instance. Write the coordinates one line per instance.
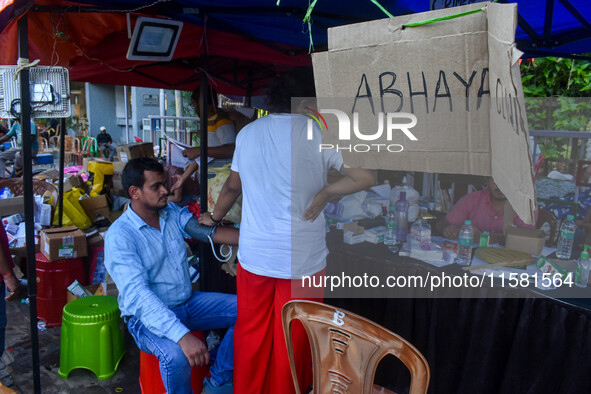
(154, 39)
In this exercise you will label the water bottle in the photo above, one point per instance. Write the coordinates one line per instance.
(583, 266)
(465, 244)
(390, 236)
(566, 238)
(401, 218)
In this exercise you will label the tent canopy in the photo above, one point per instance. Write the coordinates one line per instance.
(246, 41)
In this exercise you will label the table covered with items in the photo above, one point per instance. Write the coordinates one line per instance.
(482, 330)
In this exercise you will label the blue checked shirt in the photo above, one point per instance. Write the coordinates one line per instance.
(150, 268)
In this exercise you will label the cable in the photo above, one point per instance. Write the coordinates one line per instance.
(13, 111)
(226, 257)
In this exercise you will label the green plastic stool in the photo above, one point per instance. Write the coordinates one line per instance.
(92, 336)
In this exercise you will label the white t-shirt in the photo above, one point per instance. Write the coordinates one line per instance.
(274, 239)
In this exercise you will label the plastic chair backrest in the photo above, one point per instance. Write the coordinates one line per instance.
(43, 145)
(72, 144)
(545, 216)
(347, 348)
(89, 145)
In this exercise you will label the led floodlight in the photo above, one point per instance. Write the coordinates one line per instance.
(49, 88)
(154, 39)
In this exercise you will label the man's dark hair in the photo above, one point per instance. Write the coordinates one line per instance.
(298, 82)
(133, 173)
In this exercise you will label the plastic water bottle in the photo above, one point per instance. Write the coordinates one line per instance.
(390, 236)
(583, 267)
(566, 238)
(401, 218)
(465, 244)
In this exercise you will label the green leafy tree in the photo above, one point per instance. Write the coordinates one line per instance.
(557, 92)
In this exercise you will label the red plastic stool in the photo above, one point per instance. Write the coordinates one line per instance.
(53, 279)
(151, 381)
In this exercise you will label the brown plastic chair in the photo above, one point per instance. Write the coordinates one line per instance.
(545, 216)
(72, 149)
(347, 348)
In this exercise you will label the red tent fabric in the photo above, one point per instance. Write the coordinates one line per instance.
(93, 47)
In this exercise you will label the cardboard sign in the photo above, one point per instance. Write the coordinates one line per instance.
(444, 97)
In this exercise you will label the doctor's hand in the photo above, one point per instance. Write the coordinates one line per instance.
(192, 153)
(451, 231)
(178, 183)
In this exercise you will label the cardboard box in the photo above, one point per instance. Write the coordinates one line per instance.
(10, 206)
(96, 206)
(353, 233)
(525, 240)
(74, 181)
(135, 151)
(367, 74)
(375, 235)
(52, 174)
(117, 182)
(63, 243)
(118, 167)
(92, 289)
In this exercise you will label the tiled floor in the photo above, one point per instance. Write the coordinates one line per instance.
(19, 360)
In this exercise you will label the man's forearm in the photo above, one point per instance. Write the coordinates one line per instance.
(221, 152)
(355, 179)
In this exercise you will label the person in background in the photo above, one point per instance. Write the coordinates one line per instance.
(282, 235)
(181, 195)
(105, 142)
(9, 282)
(221, 134)
(221, 138)
(16, 154)
(50, 131)
(145, 255)
(486, 210)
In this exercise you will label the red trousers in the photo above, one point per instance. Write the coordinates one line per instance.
(261, 364)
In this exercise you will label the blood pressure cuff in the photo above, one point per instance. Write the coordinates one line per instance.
(199, 232)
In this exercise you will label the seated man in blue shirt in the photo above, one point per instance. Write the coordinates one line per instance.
(145, 255)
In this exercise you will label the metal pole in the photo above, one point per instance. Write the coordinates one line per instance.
(23, 53)
(126, 94)
(203, 100)
(60, 199)
(178, 104)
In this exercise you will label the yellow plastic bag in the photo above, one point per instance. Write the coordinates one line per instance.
(214, 186)
(73, 215)
(100, 169)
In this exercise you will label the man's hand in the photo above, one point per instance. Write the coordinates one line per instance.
(14, 286)
(205, 219)
(192, 153)
(451, 231)
(178, 183)
(195, 350)
(317, 206)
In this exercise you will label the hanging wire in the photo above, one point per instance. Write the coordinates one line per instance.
(129, 10)
(382, 8)
(308, 20)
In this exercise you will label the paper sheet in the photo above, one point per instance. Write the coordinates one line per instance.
(175, 152)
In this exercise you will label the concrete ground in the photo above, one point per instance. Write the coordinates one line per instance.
(18, 358)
